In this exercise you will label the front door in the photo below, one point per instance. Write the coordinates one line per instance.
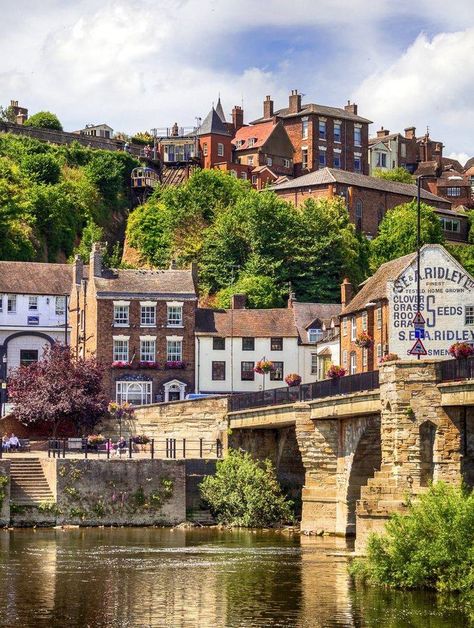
(174, 395)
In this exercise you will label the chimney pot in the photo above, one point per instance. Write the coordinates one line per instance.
(267, 107)
(351, 107)
(294, 101)
(291, 299)
(96, 259)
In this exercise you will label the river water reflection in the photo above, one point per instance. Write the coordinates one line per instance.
(202, 578)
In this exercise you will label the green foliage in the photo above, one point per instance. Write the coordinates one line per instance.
(3, 483)
(42, 168)
(245, 492)
(399, 174)
(261, 291)
(44, 120)
(464, 255)
(7, 114)
(432, 547)
(397, 232)
(90, 234)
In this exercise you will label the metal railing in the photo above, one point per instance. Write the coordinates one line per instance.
(305, 392)
(455, 370)
(165, 449)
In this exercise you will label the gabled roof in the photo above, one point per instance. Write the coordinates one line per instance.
(260, 132)
(383, 138)
(307, 313)
(334, 112)
(469, 163)
(220, 110)
(35, 278)
(212, 124)
(146, 283)
(335, 175)
(267, 323)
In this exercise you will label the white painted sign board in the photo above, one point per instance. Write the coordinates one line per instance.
(446, 304)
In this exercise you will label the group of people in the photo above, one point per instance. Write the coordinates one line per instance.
(118, 447)
(10, 443)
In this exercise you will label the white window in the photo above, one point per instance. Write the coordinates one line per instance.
(233, 173)
(204, 150)
(322, 129)
(250, 142)
(344, 326)
(455, 191)
(269, 161)
(120, 350)
(379, 317)
(337, 131)
(314, 335)
(304, 128)
(314, 364)
(364, 320)
(469, 315)
(364, 356)
(357, 163)
(353, 328)
(381, 159)
(136, 393)
(353, 364)
(147, 349)
(254, 179)
(121, 315)
(33, 304)
(250, 160)
(220, 150)
(357, 135)
(60, 306)
(244, 175)
(304, 157)
(175, 315)
(379, 351)
(174, 350)
(449, 224)
(148, 315)
(286, 163)
(344, 358)
(11, 304)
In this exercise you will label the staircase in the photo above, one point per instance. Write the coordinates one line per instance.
(29, 486)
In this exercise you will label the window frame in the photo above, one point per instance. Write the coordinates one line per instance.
(25, 361)
(120, 353)
(276, 375)
(357, 135)
(304, 158)
(469, 318)
(337, 135)
(145, 319)
(174, 321)
(148, 355)
(314, 365)
(276, 343)
(304, 128)
(353, 363)
(250, 340)
(215, 366)
(322, 129)
(215, 340)
(336, 160)
(220, 149)
(249, 373)
(174, 350)
(122, 391)
(353, 328)
(11, 303)
(121, 321)
(32, 303)
(59, 309)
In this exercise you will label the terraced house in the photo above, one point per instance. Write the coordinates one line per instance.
(140, 325)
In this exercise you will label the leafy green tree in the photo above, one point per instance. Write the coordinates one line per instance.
(149, 230)
(261, 291)
(464, 255)
(245, 492)
(398, 229)
(44, 120)
(90, 234)
(399, 174)
(7, 114)
(42, 168)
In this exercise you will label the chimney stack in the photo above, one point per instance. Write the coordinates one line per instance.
(78, 270)
(410, 133)
(238, 301)
(96, 260)
(351, 107)
(346, 292)
(267, 108)
(291, 300)
(294, 101)
(175, 130)
(383, 132)
(237, 117)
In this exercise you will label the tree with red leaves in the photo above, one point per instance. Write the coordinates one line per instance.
(59, 389)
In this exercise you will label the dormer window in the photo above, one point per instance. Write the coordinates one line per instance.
(251, 141)
(314, 334)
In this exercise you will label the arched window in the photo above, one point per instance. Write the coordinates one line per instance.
(136, 392)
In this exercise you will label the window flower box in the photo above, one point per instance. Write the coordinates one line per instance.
(121, 365)
(364, 340)
(145, 364)
(293, 379)
(264, 366)
(175, 364)
(461, 350)
(335, 372)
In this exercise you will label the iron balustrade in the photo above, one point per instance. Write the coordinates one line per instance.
(456, 370)
(305, 392)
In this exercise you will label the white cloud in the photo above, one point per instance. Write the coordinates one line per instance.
(432, 84)
(461, 157)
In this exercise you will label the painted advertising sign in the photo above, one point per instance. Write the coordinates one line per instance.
(446, 304)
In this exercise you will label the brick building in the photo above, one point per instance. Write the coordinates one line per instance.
(386, 304)
(322, 136)
(367, 198)
(139, 324)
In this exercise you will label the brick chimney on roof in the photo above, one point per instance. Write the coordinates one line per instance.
(238, 301)
(267, 107)
(383, 132)
(291, 299)
(294, 101)
(237, 117)
(351, 107)
(410, 133)
(346, 292)
(95, 262)
(78, 270)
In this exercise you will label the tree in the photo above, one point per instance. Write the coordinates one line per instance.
(44, 120)
(261, 291)
(7, 114)
(398, 229)
(399, 174)
(245, 492)
(90, 234)
(58, 389)
(42, 168)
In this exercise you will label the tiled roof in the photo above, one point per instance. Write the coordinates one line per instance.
(151, 283)
(469, 163)
(454, 163)
(306, 313)
(260, 132)
(335, 175)
(384, 138)
(212, 123)
(35, 278)
(322, 110)
(375, 288)
(242, 323)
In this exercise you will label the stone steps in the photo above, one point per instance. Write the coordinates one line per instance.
(29, 486)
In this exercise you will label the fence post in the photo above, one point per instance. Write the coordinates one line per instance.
(85, 449)
(184, 448)
(130, 447)
(64, 447)
(108, 448)
(200, 447)
(152, 448)
(218, 448)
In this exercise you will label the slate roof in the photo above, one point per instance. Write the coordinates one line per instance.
(335, 175)
(307, 313)
(149, 283)
(35, 278)
(276, 322)
(384, 138)
(322, 110)
(261, 133)
(220, 110)
(375, 288)
(212, 123)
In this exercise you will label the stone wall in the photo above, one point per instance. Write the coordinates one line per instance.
(4, 492)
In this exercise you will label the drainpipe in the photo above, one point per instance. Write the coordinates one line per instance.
(198, 365)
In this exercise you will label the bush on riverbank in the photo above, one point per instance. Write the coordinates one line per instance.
(245, 492)
(432, 547)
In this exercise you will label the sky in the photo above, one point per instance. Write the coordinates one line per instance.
(142, 64)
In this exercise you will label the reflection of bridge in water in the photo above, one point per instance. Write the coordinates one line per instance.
(358, 446)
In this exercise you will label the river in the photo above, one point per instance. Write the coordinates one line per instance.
(206, 578)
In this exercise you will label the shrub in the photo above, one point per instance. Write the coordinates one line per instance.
(432, 547)
(42, 168)
(245, 492)
(44, 120)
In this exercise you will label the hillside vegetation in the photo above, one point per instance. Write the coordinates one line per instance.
(49, 194)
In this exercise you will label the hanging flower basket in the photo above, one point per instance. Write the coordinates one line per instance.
(121, 411)
(388, 357)
(121, 365)
(364, 340)
(144, 364)
(175, 364)
(335, 372)
(293, 379)
(140, 439)
(264, 366)
(461, 350)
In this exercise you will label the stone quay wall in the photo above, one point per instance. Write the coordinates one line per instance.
(4, 492)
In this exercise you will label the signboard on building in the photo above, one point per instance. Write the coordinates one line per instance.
(33, 320)
(446, 305)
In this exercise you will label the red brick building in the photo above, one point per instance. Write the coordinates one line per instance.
(322, 136)
(140, 325)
